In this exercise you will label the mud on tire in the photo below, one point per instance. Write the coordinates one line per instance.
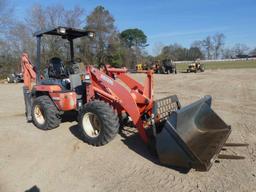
(50, 115)
(98, 123)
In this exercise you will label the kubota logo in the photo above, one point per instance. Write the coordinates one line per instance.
(106, 79)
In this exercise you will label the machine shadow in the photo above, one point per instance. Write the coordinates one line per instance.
(69, 116)
(131, 138)
(74, 129)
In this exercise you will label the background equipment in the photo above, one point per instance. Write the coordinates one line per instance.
(165, 66)
(15, 78)
(195, 67)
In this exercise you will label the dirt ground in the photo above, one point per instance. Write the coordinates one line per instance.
(57, 160)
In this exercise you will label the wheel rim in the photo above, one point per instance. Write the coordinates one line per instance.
(91, 124)
(39, 117)
(8, 79)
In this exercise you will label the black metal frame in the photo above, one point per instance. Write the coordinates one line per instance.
(70, 34)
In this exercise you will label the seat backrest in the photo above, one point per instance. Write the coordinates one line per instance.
(56, 68)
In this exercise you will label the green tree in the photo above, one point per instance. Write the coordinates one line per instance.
(8, 63)
(178, 53)
(115, 52)
(134, 40)
(194, 53)
(102, 22)
(134, 37)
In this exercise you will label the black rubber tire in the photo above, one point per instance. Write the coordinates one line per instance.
(10, 78)
(108, 119)
(202, 68)
(50, 113)
(162, 70)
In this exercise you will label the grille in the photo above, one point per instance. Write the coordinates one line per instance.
(163, 107)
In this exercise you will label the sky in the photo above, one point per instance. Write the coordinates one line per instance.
(172, 21)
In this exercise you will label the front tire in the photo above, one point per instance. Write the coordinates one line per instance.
(10, 78)
(98, 123)
(45, 114)
(202, 68)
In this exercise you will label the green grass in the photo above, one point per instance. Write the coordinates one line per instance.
(222, 65)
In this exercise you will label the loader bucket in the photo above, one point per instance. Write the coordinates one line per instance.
(191, 136)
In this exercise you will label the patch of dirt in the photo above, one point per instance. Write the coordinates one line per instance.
(2, 81)
(57, 160)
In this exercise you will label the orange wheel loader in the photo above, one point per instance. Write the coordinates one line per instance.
(189, 136)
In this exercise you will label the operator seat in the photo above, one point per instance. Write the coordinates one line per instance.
(56, 68)
(56, 74)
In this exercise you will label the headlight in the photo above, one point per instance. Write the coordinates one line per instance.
(87, 77)
(62, 30)
(91, 34)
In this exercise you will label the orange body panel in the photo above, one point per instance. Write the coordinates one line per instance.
(47, 88)
(64, 101)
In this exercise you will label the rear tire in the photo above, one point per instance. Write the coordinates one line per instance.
(98, 123)
(45, 114)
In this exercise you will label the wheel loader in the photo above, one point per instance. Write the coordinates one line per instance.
(166, 66)
(189, 137)
(195, 67)
(140, 68)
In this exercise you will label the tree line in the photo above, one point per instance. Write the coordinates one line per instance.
(119, 48)
(123, 48)
(212, 47)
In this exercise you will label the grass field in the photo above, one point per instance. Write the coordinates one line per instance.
(222, 65)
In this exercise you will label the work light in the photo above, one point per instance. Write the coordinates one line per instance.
(62, 30)
(91, 34)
